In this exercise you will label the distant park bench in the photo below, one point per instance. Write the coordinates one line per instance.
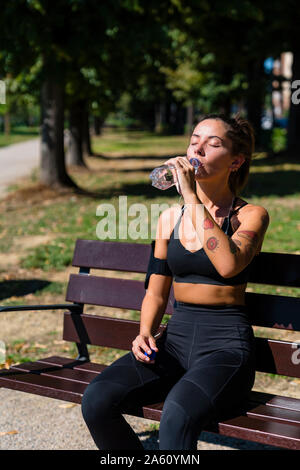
(268, 419)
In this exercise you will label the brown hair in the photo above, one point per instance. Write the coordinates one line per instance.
(241, 134)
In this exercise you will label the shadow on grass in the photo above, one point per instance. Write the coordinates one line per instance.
(19, 288)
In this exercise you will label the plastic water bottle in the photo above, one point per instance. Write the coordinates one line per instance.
(165, 176)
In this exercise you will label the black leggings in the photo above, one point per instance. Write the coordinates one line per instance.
(203, 370)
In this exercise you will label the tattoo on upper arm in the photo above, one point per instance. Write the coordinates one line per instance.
(207, 223)
(212, 243)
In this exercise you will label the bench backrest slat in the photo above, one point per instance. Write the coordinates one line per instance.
(277, 357)
(264, 309)
(118, 256)
(100, 330)
(279, 269)
(110, 292)
(272, 356)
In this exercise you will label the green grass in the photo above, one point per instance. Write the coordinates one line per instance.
(56, 255)
(18, 134)
(138, 143)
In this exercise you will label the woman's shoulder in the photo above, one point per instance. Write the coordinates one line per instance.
(245, 211)
(244, 208)
(167, 220)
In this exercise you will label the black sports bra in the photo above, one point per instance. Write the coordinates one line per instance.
(196, 267)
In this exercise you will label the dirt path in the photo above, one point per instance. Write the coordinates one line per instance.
(17, 161)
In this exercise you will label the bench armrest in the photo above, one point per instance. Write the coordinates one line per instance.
(72, 307)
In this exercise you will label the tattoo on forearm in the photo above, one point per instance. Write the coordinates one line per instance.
(236, 241)
(232, 246)
(207, 223)
(249, 235)
(212, 243)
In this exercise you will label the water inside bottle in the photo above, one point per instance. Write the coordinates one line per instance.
(164, 176)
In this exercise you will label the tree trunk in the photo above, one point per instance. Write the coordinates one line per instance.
(160, 117)
(75, 150)
(293, 138)
(7, 126)
(52, 164)
(98, 123)
(86, 136)
(189, 119)
(255, 95)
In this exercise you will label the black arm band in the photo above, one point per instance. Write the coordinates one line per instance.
(156, 266)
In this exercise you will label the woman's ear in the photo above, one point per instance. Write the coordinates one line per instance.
(237, 162)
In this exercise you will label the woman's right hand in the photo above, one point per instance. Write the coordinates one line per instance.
(142, 344)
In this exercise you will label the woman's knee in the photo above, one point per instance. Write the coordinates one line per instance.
(97, 401)
(186, 411)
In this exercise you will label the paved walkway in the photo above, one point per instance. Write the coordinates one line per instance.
(18, 160)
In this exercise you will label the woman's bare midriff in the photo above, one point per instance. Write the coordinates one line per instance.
(209, 294)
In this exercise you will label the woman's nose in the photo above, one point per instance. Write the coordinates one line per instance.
(200, 149)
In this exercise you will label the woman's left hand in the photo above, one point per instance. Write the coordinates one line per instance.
(185, 175)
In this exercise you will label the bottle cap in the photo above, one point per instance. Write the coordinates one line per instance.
(195, 162)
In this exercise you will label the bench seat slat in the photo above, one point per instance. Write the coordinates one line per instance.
(75, 364)
(273, 413)
(288, 403)
(56, 371)
(263, 431)
(53, 387)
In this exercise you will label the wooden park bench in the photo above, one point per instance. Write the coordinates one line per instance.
(267, 419)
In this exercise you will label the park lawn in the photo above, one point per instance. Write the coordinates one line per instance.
(18, 134)
(39, 227)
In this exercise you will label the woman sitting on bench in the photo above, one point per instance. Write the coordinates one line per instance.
(204, 364)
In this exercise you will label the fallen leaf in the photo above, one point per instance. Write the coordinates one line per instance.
(67, 405)
(8, 432)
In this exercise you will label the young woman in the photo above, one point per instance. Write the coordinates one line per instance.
(204, 363)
